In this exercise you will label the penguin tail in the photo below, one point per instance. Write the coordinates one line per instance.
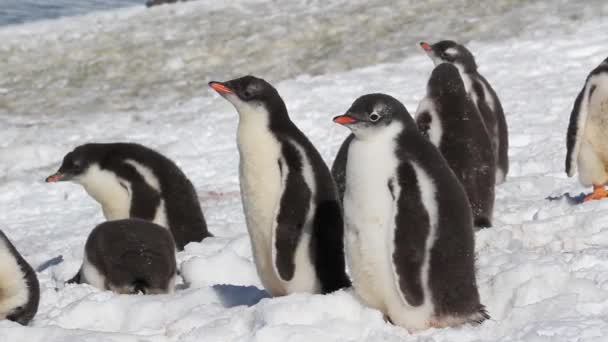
(482, 222)
(140, 286)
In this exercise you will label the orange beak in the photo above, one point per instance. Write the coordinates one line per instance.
(220, 88)
(344, 119)
(426, 47)
(54, 178)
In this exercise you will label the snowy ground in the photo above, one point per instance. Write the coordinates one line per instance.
(543, 268)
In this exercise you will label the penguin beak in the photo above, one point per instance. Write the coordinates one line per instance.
(426, 47)
(220, 88)
(345, 119)
(56, 177)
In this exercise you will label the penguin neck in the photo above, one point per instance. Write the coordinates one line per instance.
(107, 189)
(380, 135)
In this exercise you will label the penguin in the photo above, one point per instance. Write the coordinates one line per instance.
(482, 94)
(587, 137)
(409, 229)
(451, 121)
(19, 287)
(131, 180)
(291, 206)
(129, 256)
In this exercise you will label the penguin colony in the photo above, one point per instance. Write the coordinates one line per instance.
(399, 207)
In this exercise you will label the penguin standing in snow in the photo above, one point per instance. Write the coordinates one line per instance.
(19, 288)
(482, 94)
(587, 139)
(409, 231)
(129, 256)
(451, 121)
(130, 180)
(291, 206)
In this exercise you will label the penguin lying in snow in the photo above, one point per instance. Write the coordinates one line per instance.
(291, 206)
(130, 180)
(451, 121)
(482, 94)
(129, 256)
(19, 288)
(587, 139)
(409, 231)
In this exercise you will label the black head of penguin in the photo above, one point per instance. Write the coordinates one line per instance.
(251, 95)
(372, 112)
(76, 163)
(448, 51)
(445, 85)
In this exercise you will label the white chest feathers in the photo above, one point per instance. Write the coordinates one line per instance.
(262, 183)
(370, 209)
(115, 194)
(369, 215)
(13, 287)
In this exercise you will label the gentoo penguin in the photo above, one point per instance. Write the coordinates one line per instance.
(587, 140)
(129, 256)
(482, 94)
(131, 180)
(290, 201)
(451, 121)
(19, 288)
(409, 230)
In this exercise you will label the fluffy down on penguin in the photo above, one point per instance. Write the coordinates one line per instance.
(482, 94)
(19, 288)
(409, 230)
(587, 137)
(132, 181)
(129, 256)
(451, 121)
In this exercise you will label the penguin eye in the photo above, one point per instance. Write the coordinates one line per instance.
(445, 55)
(246, 94)
(373, 117)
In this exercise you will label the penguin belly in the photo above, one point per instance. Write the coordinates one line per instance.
(593, 156)
(260, 181)
(14, 291)
(370, 222)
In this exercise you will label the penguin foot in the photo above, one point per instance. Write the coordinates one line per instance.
(599, 192)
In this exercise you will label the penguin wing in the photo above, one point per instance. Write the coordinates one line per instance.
(338, 169)
(423, 121)
(576, 129)
(144, 198)
(292, 211)
(411, 227)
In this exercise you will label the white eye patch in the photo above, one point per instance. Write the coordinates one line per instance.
(451, 51)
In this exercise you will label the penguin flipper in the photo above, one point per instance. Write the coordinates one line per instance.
(338, 169)
(408, 251)
(423, 121)
(576, 127)
(294, 206)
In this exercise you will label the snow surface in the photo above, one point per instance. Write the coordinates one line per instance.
(542, 270)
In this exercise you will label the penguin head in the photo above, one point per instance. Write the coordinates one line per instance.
(251, 96)
(75, 165)
(445, 81)
(447, 51)
(372, 113)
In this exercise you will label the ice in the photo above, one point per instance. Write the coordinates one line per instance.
(140, 75)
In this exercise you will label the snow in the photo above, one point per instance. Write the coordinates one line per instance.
(542, 269)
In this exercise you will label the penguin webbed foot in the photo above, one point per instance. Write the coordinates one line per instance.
(599, 192)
